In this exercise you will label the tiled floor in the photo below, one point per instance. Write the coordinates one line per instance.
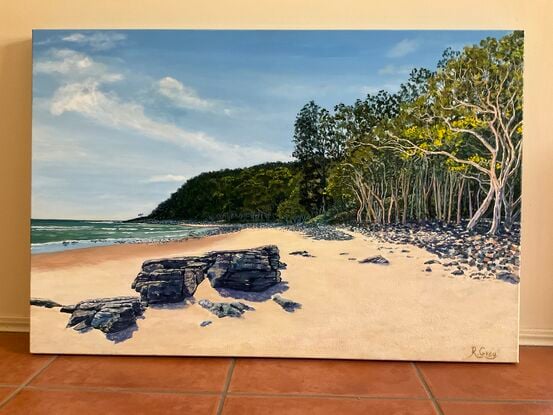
(85, 385)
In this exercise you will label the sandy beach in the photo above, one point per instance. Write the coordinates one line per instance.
(349, 309)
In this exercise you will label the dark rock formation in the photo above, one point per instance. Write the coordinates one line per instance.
(287, 305)
(110, 315)
(432, 261)
(205, 323)
(246, 270)
(457, 272)
(172, 280)
(377, 259)
(221, 310)
(44, 302)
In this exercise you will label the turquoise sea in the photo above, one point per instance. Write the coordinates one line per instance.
(51, 235)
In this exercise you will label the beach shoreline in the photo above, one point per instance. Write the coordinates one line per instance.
(413, 313)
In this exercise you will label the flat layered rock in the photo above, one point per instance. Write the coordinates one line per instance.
(245, 270)
(109, 315)
(234, 309)
(376, 259)
(287, 305)
(171, 280)
(44, 302)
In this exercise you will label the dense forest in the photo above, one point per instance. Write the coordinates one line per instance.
(446, 146)
(258, 193)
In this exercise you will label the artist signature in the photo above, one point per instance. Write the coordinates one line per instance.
(480, 352)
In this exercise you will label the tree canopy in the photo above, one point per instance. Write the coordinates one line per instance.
(446, 147)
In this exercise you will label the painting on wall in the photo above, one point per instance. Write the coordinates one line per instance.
(317, 194)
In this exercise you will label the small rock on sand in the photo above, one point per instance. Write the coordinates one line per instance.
(287, 305)
(376, 259)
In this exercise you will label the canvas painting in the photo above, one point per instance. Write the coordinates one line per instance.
(314, 194)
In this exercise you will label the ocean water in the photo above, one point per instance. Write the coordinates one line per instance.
(51, 235)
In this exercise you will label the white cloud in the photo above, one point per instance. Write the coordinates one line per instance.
(64, 61)
(74, 65)
(403, 48)
(187, 97)
(106, 108)
(86, 98)
(395, 70)
(182, 95)
(167, 178)
(101, 40)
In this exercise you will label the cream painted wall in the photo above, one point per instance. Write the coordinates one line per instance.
(18, 18)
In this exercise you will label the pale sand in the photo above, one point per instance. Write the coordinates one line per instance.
(349, 310)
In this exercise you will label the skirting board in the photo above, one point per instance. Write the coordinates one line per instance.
(528, 337)
(16, 324)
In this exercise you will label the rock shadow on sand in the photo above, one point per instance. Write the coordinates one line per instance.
(254, 296)
(123, 335)
(174, 306)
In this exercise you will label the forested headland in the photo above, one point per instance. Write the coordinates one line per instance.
(445, 147)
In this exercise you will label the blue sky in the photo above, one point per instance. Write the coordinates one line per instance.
(122, 118)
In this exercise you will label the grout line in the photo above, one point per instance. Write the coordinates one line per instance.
(507, 401)
(226, 387)
(424, 384)
(72, 388)
(327, 396)
(26, 382)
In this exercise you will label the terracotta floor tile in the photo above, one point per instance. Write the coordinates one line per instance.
(16, 363)
(531, 379)
(152, 373)
(354, 378)
(31, 402)
(466, 408)
(240, 405)
(5, 391)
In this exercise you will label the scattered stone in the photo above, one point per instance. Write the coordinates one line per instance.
(352, 259)
(110, 315)
(428, 269)
(321, 232)
(432, 261)
(376, 259)
(205, 323)
(508, 277)
(301, 253)
(457, 272)
(43, 302)
(288, 305)
(405, 251)
(344, 253)
(455, 245)
(235, 309)
(477, 276)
